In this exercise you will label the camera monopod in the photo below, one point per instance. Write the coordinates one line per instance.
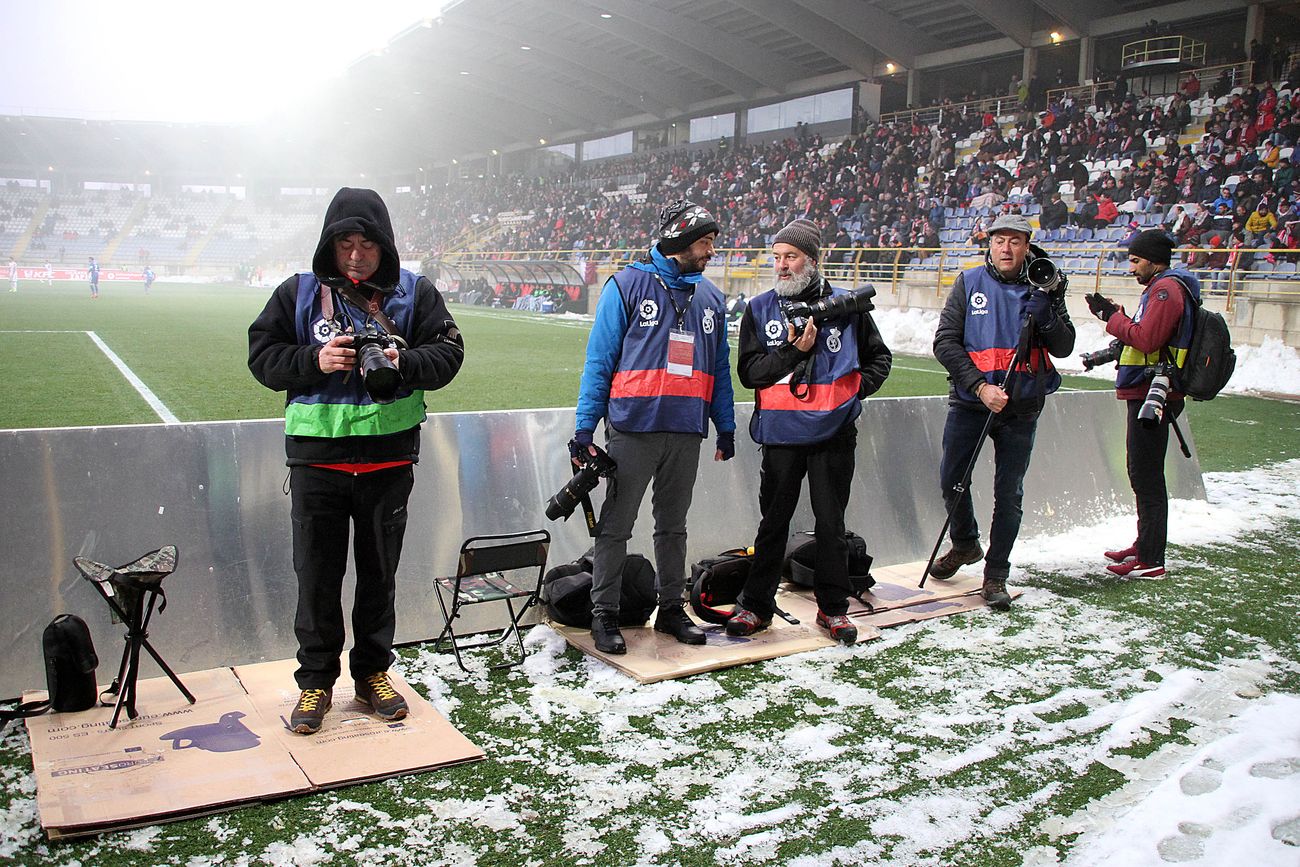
(1018, 358)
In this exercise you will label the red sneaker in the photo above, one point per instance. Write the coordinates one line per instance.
(1136, 569)
(1129, 553)
(838, 626)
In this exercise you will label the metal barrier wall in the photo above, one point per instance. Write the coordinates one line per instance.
(215, 491)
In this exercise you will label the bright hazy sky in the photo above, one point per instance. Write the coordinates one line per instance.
(184, 60)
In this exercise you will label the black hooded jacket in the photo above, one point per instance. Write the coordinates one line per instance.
(278, 361)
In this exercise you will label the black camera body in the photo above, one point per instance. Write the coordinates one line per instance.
(797, 313)
(577, 490)
(378, 372)
(1102, 356)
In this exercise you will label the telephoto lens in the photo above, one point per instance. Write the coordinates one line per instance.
(1043, 274)
(1153, 409)
(857, 301)
(379, 373)
(570, 496)
(1102, 356)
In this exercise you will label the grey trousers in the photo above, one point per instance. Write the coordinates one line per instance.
(671, 460)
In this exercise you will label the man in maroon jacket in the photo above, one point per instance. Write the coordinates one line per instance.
(1157, 333)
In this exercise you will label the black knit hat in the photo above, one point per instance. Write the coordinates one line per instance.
(803, 234)
(1154, 245)
(683, 223)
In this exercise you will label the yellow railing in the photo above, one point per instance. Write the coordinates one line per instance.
(749, 269)
(1162, 49)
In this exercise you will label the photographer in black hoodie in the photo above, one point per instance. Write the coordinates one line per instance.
(350, 457)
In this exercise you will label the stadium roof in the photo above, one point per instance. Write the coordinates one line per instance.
(508, 75)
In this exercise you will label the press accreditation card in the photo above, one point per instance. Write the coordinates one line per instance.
(681, 353)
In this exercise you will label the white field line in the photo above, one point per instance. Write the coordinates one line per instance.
(149, 397)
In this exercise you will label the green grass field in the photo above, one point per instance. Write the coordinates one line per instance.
(972, 740)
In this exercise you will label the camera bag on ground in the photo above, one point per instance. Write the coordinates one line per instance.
(716, 583)
(801, 558)
(566, 591)
(70, 663)
(1210, 359)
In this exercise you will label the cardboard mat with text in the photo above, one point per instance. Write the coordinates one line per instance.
(230, 747)
(652, 656)
(896, 599)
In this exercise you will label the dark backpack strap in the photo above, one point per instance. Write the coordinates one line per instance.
(23, 710)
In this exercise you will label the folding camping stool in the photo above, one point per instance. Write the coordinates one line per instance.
(500, 568)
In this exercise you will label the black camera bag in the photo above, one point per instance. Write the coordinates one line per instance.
(566, 592)
(717, 581)
(801, 558)
(70, 663)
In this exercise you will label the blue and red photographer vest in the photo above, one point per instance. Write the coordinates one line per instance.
(995, 313)
(831, 381)
(1135, 366)
(643, 395)
(338, 408)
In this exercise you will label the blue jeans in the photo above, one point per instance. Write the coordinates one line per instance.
(1013, 442)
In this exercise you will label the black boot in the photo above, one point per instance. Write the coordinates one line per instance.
(604, 629)
(673, 620)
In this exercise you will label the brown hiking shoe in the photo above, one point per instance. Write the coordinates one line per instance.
(309, 713)
(956, 557)
(377, 691)
(995, 593)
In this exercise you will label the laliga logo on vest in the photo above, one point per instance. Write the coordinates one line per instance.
(978, 302)
(833, 340)
(322, 331)
(708, 320)
(649, 313)
(774, 329)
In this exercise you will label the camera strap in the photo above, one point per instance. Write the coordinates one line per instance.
(372, 306)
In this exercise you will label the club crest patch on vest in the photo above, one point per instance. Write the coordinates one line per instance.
(774, 329)
(707, 320)
(649, 311)
(322, 330)
(833, 340)
(979, 303)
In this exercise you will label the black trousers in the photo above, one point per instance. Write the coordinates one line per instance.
(829, 468)
(326, 504)
(1146, 474)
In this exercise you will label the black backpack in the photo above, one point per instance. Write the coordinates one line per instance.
(1210, 359)
(566, 591)
(716, 583)
(70, 663)
(801, 558)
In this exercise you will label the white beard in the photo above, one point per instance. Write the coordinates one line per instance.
(797, 282)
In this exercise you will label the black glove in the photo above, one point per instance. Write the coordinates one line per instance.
(727, 444)
(579, 446)
(1039, 306)
(1102, 307)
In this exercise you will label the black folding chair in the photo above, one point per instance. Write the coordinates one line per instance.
(499, 568)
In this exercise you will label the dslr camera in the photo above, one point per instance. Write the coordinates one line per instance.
(799, 312)
(578, 489)
(1153, 408)
(1102, 356)
(378, 372)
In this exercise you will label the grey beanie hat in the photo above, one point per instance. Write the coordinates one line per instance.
(803, 234)
(1011, 223)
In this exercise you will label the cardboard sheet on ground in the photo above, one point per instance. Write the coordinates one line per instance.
(895, 600)
(231, 747)
(652, 656)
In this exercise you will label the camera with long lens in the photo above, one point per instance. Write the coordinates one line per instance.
(1152, 411)
(577, 490)
(1042, 273)
(1102, 356)
(799, 312)
(378, 371)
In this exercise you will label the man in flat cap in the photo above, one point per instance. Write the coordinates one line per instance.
(809, 380)
(1159, 329)
(980, 328)
(658, 371)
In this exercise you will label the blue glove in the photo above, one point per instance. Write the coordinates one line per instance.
(1039, 306)
(727, 444)
(579, 446)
